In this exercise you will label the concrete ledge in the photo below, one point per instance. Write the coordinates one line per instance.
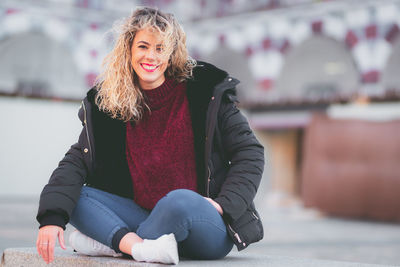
(29, 257)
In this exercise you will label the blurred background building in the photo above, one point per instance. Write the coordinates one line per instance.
(320, 85)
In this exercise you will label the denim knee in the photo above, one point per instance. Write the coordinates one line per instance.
(181, 202)
(182, 194)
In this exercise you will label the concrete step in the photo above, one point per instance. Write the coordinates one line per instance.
(30, 257)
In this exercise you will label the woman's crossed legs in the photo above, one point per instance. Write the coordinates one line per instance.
(196, 224)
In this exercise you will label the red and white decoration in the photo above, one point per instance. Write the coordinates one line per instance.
(367, 31)
(263, 37)
(86, 41)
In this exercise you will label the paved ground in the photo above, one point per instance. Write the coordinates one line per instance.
(291, 232)
(66, 258)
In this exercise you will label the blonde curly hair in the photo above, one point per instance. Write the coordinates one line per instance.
(119, 94)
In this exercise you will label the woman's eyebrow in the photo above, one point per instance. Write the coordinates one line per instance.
(144, 42)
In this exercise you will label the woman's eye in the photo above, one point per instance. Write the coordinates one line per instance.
(142, 46)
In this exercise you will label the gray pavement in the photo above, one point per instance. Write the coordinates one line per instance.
(28, 257)
(291, 232)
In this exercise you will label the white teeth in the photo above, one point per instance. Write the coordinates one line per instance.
(147, 67)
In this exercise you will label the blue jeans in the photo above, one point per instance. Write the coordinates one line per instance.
(197, 226)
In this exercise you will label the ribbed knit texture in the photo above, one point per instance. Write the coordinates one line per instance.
(160, 149)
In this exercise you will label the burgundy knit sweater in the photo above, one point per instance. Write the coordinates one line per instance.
(160, 148)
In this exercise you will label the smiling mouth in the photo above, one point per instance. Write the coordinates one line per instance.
(149, 67)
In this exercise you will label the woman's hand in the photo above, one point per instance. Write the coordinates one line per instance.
(216, 205)
(46, 241)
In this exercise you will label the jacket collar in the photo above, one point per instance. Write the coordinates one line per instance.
(207, 76)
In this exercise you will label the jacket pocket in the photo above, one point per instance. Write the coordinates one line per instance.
(246, 230)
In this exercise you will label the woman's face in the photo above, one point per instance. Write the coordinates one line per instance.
(147, 59)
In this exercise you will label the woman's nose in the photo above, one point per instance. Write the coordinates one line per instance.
(151, 54)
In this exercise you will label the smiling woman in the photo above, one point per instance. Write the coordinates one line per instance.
(146, 177)
(162, 39)
(148, 60)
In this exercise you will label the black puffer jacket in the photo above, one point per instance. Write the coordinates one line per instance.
(229, 159)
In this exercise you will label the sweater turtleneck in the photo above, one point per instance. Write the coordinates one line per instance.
(161, 95)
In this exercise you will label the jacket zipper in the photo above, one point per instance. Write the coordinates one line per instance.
(215, 101)
(214, 105)
(236, 235)
(86, 128)
(255, 216)
(208, 181)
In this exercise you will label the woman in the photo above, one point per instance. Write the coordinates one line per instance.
(165, 166)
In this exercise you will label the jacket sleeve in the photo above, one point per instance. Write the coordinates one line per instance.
(246, 156)
(61, 194)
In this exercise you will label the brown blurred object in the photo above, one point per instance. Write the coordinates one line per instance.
(351, 168)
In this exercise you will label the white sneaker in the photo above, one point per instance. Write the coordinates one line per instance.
(162, 250)
(88, 246)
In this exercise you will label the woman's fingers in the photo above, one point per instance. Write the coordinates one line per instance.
(41, 245)
(44, 250)
(50, 251)
(47, 240)
(61, 239)
(48, 248)
(50, 245)
(215, 204)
